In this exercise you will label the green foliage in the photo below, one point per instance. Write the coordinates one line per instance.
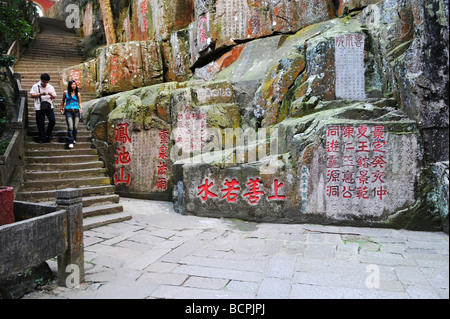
(13, 26)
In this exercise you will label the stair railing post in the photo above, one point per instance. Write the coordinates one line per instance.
(71, 263)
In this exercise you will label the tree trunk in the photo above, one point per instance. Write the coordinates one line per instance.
(108, 21)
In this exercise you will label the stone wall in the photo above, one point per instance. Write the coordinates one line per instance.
(294, 111)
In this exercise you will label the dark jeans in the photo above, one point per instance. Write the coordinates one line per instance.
(72, 119)
(40, 122)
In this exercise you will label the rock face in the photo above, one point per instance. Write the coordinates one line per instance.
(329, 112)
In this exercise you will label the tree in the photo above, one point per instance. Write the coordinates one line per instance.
(13, 26)
(108, 21)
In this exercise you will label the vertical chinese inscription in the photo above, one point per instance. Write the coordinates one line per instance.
(75, 75)
(122, 155)
(191, 131)
(349, 63)
(356, 163)
(304, 188)
(234, 18)
(161, 183)
(142, 15)
(114, 70)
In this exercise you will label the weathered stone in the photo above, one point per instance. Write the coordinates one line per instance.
(227, 22)
(198, 110)
(137, 148)
(344, 6)
(119, 67)
(177, 57)
(344, 166)
(84, 74)
(412, 38)
(225, 60)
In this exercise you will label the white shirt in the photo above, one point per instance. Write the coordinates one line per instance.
(38, 87)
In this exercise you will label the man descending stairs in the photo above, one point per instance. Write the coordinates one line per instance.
(52, 166)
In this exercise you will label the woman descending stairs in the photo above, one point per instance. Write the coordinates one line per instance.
(52, 166)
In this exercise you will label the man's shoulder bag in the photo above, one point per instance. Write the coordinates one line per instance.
(45, 106)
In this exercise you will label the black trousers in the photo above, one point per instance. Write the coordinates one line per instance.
(40, 122)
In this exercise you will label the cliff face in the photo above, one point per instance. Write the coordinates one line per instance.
(294, 111)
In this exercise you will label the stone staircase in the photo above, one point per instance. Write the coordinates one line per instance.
(52, 166)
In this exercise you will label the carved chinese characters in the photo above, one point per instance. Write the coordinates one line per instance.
(356, 162)
(142, 161)
(75, 75)
(162, 168)
(230, 189)
(191, 131)
(122, 155)
(233, 18)
(142, 15)
(349, 59)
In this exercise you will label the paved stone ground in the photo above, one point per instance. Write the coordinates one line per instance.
(160, 254)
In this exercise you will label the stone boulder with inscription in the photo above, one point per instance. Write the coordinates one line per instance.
(332, 112)
(132, 131)
(356, 165)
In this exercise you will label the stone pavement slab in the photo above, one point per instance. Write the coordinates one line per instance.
(161, 254)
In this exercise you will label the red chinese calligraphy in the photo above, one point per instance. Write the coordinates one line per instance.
(333, 146)
(163, 152)
(347, 131)
(333, 191)
(333, 176)
(362, 192)
(122, 133)
(377, 176)
(379, 161)
(255, 191)
(202, 29)
(276, 187)
(378, 131)
(205, 189)
(162, 169)
(379, 192)
(164, 136)
(232, 188)
(121, 179)
(161, 184)
(362, 131)
(333, 131)
(123, 157)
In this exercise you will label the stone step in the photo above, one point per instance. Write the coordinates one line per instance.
(64, 166)
(61, 133)
(66, 152)
(100, 200)
(72, 158)
(49, 195)
(103, 220)
(62, 138)
(64, 183)
(102, 209)
(55, 145)
(52, 166)
(32, 127)
(63, 174)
